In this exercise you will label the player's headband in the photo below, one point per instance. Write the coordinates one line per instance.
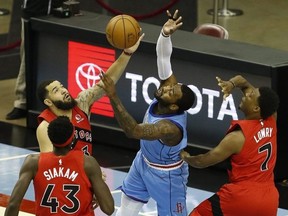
(68, 141)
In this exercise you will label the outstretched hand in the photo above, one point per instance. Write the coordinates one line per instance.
(174, 22)
(107, 85)
(226, 87)
(133, 48)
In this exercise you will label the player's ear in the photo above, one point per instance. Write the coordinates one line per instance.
(48, 102)
(257, 109)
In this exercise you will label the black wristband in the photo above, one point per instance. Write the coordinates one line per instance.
(163, 34)
(127, 53)
(232, 83)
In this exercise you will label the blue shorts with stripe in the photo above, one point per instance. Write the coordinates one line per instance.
(167, 187)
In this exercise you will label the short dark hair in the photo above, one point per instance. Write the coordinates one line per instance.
(187, 99)
(268, 102)
(42, 92)
(60, 130)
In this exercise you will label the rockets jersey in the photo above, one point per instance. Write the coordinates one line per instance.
(154, 150)
(82, 126)
(256, 161)
(61, 185)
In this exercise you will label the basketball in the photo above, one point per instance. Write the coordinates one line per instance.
(122, 31)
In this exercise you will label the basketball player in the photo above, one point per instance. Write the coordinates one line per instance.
(59, 102)
(65, 181)
(157, 171)
(251, 146)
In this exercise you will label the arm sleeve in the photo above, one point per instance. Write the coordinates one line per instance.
(164, 51)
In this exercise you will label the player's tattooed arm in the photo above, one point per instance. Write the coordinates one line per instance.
(86, 98)
(165, 130)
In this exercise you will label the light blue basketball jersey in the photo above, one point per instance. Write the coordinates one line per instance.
(154, 150)
(158, 171)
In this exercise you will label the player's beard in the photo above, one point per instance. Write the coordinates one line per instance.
(65, 105)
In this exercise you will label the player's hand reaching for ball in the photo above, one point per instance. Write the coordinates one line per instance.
(107, 85)
(133, 48)
(174, 22)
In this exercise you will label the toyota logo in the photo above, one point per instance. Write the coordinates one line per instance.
(90, 72)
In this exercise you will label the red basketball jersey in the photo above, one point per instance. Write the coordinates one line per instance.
(82, 128)
(256, 161)
(61, 185)
(251, 190)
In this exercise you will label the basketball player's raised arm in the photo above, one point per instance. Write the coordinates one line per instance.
(164, 48)
(87, 97)
(237, 81)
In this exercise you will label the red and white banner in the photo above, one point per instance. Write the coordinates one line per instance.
(85, 63)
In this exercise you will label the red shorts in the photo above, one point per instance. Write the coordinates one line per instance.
(239, 200)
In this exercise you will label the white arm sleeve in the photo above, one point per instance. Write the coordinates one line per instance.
(164, 51)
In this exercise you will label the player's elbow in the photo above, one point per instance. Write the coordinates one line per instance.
(108, 208)
(130, 134)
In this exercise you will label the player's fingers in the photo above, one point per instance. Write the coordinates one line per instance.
(175, 15)
(168, 14)
(141, 36)
(225, 96)
(179, 20)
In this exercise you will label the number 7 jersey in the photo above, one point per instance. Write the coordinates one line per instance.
(62, 186)
(256, 161)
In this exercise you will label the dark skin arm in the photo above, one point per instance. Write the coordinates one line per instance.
(165, 130)
(100, 189)
(237, 81)
(232, 143)
(27, 173)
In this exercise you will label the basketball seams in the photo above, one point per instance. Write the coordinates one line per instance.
(122, 31)
(134, 28)
(112, 38)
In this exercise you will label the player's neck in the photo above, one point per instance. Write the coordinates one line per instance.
(59, 112)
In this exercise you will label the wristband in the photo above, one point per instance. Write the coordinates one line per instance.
(163, 34)
(127, 53)
(232, 83)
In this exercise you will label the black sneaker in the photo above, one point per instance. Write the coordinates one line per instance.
(16, 113)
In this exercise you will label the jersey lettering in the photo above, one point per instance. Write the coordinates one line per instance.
(264, 132)
(60, 172)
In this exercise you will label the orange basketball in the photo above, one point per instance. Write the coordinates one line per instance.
(122, 31)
